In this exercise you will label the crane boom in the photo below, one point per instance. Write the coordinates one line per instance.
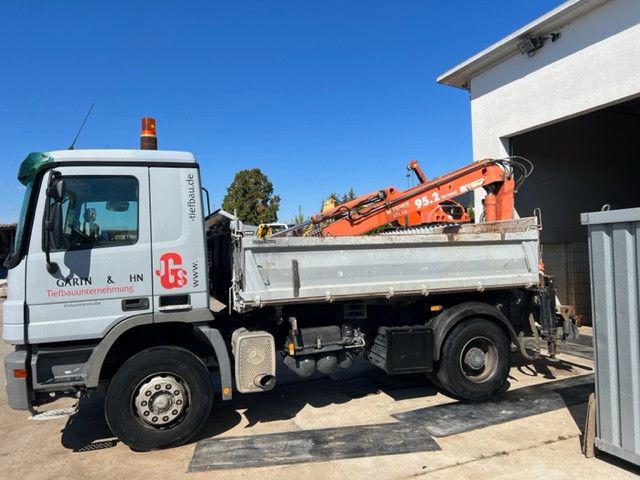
(431, 201)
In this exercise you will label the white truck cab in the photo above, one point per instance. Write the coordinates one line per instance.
(106, 265)
(107, 240)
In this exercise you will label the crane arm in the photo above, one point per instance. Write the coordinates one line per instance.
(424, 202)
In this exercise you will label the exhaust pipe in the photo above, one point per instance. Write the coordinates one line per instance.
(265, 382)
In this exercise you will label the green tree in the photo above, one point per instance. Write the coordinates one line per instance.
(299, 217)
(350, 195)
(251, 196)
(345, 197)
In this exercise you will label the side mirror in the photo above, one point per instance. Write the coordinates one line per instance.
(117, 206)
(53, 219)
(55, 189)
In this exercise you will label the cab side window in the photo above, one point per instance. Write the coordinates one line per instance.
(99, 212)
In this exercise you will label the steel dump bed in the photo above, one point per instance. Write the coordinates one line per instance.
(283, 270)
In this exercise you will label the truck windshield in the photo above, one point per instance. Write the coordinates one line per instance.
(26, 175)
(22, 218)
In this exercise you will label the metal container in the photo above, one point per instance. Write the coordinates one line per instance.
(277, 271)
(614, 251)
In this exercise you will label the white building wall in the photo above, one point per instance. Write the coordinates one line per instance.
(596, 62)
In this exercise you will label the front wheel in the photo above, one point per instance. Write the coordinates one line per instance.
(474, 363)
(159, 398)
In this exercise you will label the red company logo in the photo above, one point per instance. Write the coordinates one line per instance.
(170, 272)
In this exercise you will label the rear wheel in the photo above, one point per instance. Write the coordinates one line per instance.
(474, 363)
(159, 398)
(433, 377)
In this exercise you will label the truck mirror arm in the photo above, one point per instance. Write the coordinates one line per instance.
(52, 267)
(53, 216)
(206, 192)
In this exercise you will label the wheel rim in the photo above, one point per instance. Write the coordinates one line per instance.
(161, 400)
(478, 359)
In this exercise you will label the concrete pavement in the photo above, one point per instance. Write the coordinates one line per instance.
(362, 426)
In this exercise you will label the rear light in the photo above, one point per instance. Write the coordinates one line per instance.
(148, 139)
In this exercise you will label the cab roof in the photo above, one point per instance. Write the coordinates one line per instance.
(122, 155)
(35, 160)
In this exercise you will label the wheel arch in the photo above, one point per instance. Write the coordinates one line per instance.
(139, 332)
(446, 321)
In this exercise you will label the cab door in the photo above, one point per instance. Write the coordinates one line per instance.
(103, 255)
(179, 258)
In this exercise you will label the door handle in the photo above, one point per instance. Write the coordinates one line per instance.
(140, 303)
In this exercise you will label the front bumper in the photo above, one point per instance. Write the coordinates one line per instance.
(17, 388)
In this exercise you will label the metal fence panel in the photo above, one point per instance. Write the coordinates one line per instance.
(614, 251)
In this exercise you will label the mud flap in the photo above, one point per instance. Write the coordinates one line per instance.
(222, 355)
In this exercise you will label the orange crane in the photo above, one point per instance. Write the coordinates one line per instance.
(431, 201)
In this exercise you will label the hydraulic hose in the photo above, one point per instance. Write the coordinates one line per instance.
(521, 345)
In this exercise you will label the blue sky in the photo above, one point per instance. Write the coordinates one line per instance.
(321, 95)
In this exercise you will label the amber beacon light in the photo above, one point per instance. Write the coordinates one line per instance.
(148, 139)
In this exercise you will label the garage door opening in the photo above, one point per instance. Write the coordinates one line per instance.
(581, 165)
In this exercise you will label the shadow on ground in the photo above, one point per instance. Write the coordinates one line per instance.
(541, 366)
(87, 429)
(618, 462)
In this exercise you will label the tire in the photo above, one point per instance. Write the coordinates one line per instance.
(474, 363)
(432, 377)
(159, 398)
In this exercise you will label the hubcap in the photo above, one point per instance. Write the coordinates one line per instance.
(160, 400)
(474, 358)
(478, 359)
